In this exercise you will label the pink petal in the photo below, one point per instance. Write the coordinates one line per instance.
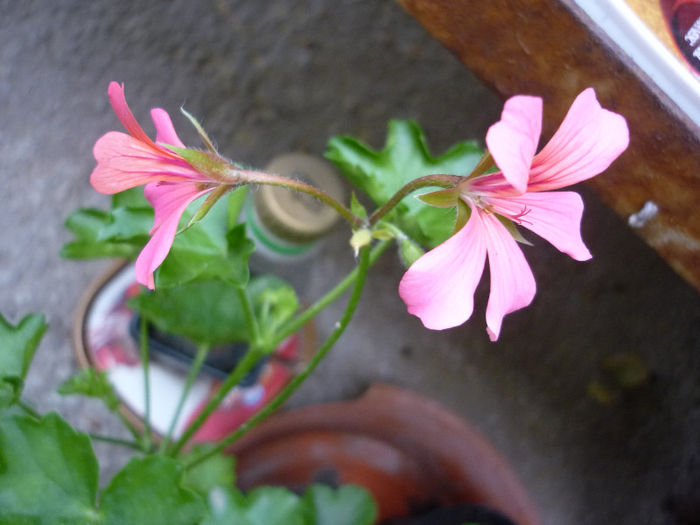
(439, 287)
(585, 144)
(512, 283)
(554, 216)
(169, 201)
(124, 162)
(512, 141)
(118, 101)
(165, 131)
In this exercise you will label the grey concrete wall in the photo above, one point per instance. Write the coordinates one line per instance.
(275, 76)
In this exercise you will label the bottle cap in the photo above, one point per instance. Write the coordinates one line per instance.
(292, 215)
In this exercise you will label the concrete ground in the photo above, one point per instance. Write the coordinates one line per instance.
(277, 76)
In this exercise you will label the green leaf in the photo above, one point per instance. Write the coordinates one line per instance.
(127, 224)
(405, 157)
(207, 250)
(357, 208)
(210, 312)
(149, 490)
(348, 505)
(216, 471)
(262, 506)
(92, 383)
(86, 225)
(274, 302)
(441, 198)
(17, 347)
(48, 473)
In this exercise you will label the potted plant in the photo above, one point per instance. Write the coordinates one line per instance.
(192, 251)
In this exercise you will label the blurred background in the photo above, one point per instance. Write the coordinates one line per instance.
(272, 77)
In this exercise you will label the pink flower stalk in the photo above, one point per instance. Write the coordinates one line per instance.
(128, 160)
(439, 287)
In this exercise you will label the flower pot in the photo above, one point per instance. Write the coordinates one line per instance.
(413, 455)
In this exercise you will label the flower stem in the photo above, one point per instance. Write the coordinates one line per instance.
(290, 388)
(202, 351)
(146, 383)
(249, 315)
(443, 181)
(28, 409)
(116, 441)
(295, 324)
(257, 177)
(249, 360)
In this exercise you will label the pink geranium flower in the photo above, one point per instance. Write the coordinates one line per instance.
(439, 287)
(126, 161)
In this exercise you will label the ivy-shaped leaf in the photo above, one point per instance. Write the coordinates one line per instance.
(48, 472)
(216, 471)
(149, 490)
(405, 157)
(92, 383)
(17, 347)
(119, 232)
(347, 505)
(262, 506)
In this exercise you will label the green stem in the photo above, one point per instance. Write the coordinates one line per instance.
(192, 373)
(257, 177)
(249, 360)
(295, 324)
(249, 315)
(291, 387)
(28, 409)
(443, 181)
(116, 441)
(146, 385)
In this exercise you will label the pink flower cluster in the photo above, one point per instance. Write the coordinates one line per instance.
(439, 287)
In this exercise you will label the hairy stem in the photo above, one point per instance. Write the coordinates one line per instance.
(249, 360)
(195, 367)
(443, 181)
(295, 324)
(362, 267)
(146, 383)
(256, 177)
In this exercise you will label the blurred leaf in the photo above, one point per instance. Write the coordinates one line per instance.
(274, 300)
(92, 383)
(149, 490)
(262, 506)
(49, 472)
(626, 370)
(347, 505)
(17, 347)
(215, 471)
(405, 157)
(86, 225)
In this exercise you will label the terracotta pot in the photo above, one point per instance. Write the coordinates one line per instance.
(409, 452)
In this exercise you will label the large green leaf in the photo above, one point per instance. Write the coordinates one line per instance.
(48, 473)
(210, 312)
(405, 157)
(348, 505)
(17, 347)
(148, 490)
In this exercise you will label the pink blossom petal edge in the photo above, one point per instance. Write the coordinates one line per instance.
(165, 131)
(554, 216)
(439, 287)
(512, 283)
(169, 202)
(115, 92)
(512, 141)
(589, 139)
